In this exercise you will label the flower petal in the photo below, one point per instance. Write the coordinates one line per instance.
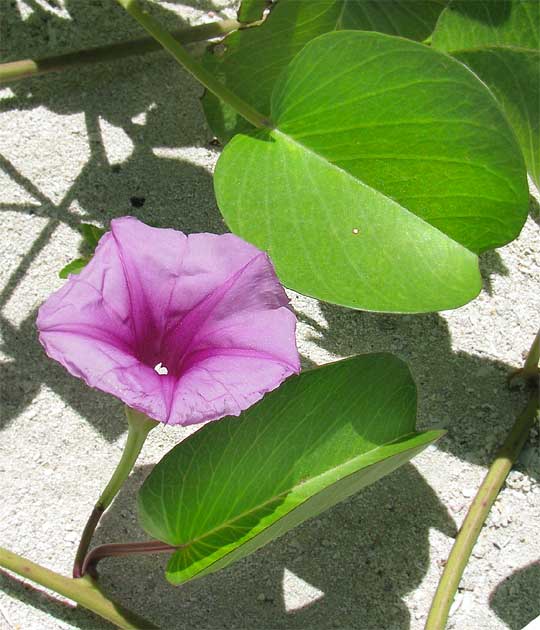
(223, 384)
(207, 309)
(248, 310)
(94, 303)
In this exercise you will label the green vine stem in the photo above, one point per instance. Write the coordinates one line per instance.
(139, 427)
(115, 550)
(15, 70)
(83, 591)
(477, 514)
(530, 370)
(200, 73)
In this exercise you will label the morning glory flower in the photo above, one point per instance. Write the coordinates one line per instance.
(186, 329)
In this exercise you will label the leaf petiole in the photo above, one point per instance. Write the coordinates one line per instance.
(115, 550)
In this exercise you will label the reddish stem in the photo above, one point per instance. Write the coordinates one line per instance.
(122, 549)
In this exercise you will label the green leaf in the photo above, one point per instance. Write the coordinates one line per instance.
(255, 57)
(74, 267)
(513, 75)
(465, 24)
(413, 19)
(237, 484)
(91, 234)
(252, 10)
(390, 167)
(500, 41)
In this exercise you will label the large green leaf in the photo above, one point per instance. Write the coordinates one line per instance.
(390, 167)
(478, 23)
(500, 40)
(513, 75)
(237, 484)
(414, 19)
(254, 58)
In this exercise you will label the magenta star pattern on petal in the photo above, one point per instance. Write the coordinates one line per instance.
(186, 329)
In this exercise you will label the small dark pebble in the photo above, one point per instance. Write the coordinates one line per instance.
(137, 202)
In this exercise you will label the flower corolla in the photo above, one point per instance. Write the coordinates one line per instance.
(186, 329)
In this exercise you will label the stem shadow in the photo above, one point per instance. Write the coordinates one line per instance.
(156, 182)
(37, 598)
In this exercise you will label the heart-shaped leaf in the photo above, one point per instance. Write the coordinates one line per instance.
(466, 25)
(389, 168)
(500, 42)
(513, 75)
(254, 58)
(237, 484)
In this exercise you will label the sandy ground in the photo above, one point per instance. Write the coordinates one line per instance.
(90, 145)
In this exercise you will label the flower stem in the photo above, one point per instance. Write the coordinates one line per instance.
(139, 427)
(194, 67)
(83, 591)
(24, 68)
(123, 549)
(477, 514)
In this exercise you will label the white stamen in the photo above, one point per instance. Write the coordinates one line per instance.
(161, 369)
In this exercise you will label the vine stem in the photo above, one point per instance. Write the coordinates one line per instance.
(139, 427)
(532, 362)
(24, 68)
(83, 591)
(198, 71)
(478, 511)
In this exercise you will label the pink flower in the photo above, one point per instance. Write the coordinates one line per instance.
(183, 328)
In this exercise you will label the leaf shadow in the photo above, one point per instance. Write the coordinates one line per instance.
(28, 369)
(493, 14)
(465, 394)
(534, 209)
(370, 548)
(515, 600)
(70, 25)
(491, 264)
